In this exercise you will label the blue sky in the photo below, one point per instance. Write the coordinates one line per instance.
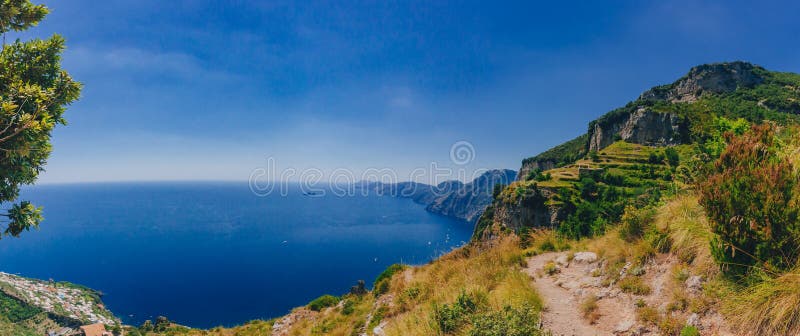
(202, 90)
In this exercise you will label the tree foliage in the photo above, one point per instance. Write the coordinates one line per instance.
(19, 15)
(34, 93)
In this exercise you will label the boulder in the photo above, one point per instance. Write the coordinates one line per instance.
(623, 326)
(694, 283)
(585, 257)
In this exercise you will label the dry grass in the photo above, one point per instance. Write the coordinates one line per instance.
(769, 307)
(689, 232)
(589, 309)
(634, 285)
(493, 271)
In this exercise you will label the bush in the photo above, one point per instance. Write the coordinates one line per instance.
(15, 310)
(348, 307)
(690, 331)
(450, 317)
(672, 156)
(522, 321)
(382, 282)
(722, 126)
(382, 287)
(635, 222)
(655, 158)
(389, 272)
(593, 155)
(323, 302)
(750, 198)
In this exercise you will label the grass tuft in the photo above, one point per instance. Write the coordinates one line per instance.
(768, 307)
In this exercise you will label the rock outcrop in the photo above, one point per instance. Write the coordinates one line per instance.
(529, 211)
(529, 166)
(643, 126)
(708, 78)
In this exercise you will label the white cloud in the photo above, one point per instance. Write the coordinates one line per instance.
(130, 60)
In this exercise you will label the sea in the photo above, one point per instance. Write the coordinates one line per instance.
(208, 254)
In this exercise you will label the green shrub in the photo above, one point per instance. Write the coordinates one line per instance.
(377, 317)
(348, 307)
(655, 158)
(15, 310)
(635, 222)
(389, 272)
(382, 282)
(322, 302)
(451, 317)
(672, 156)
(522, 321)
(382, 287)
(750, 197)
(690, 331)
(717, 141)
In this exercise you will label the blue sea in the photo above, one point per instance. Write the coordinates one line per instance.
(209, 254)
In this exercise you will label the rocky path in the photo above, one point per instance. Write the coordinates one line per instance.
(562, 314)
(578, 280)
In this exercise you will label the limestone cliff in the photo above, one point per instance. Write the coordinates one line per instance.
(708, 78)
(642, 126)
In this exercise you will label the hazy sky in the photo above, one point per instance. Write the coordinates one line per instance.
(202, 90)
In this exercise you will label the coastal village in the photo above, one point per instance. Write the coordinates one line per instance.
(63, 300)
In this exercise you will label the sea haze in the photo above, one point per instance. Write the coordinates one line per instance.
(209, 254)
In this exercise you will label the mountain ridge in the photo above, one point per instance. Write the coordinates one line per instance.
(453, 198)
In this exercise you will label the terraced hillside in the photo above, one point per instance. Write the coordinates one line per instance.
(591, 192)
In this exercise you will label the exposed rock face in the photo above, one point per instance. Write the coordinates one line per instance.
(712, 78)
(644, 127)
(647, 127)
(468, 201)
(529, 166)
(528, 211)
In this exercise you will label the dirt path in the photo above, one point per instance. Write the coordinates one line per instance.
(562, 314)
(579, 280)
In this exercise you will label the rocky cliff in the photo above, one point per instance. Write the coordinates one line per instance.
(642, 126)
(708, 78)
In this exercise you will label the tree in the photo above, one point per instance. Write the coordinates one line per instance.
(34, 93)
